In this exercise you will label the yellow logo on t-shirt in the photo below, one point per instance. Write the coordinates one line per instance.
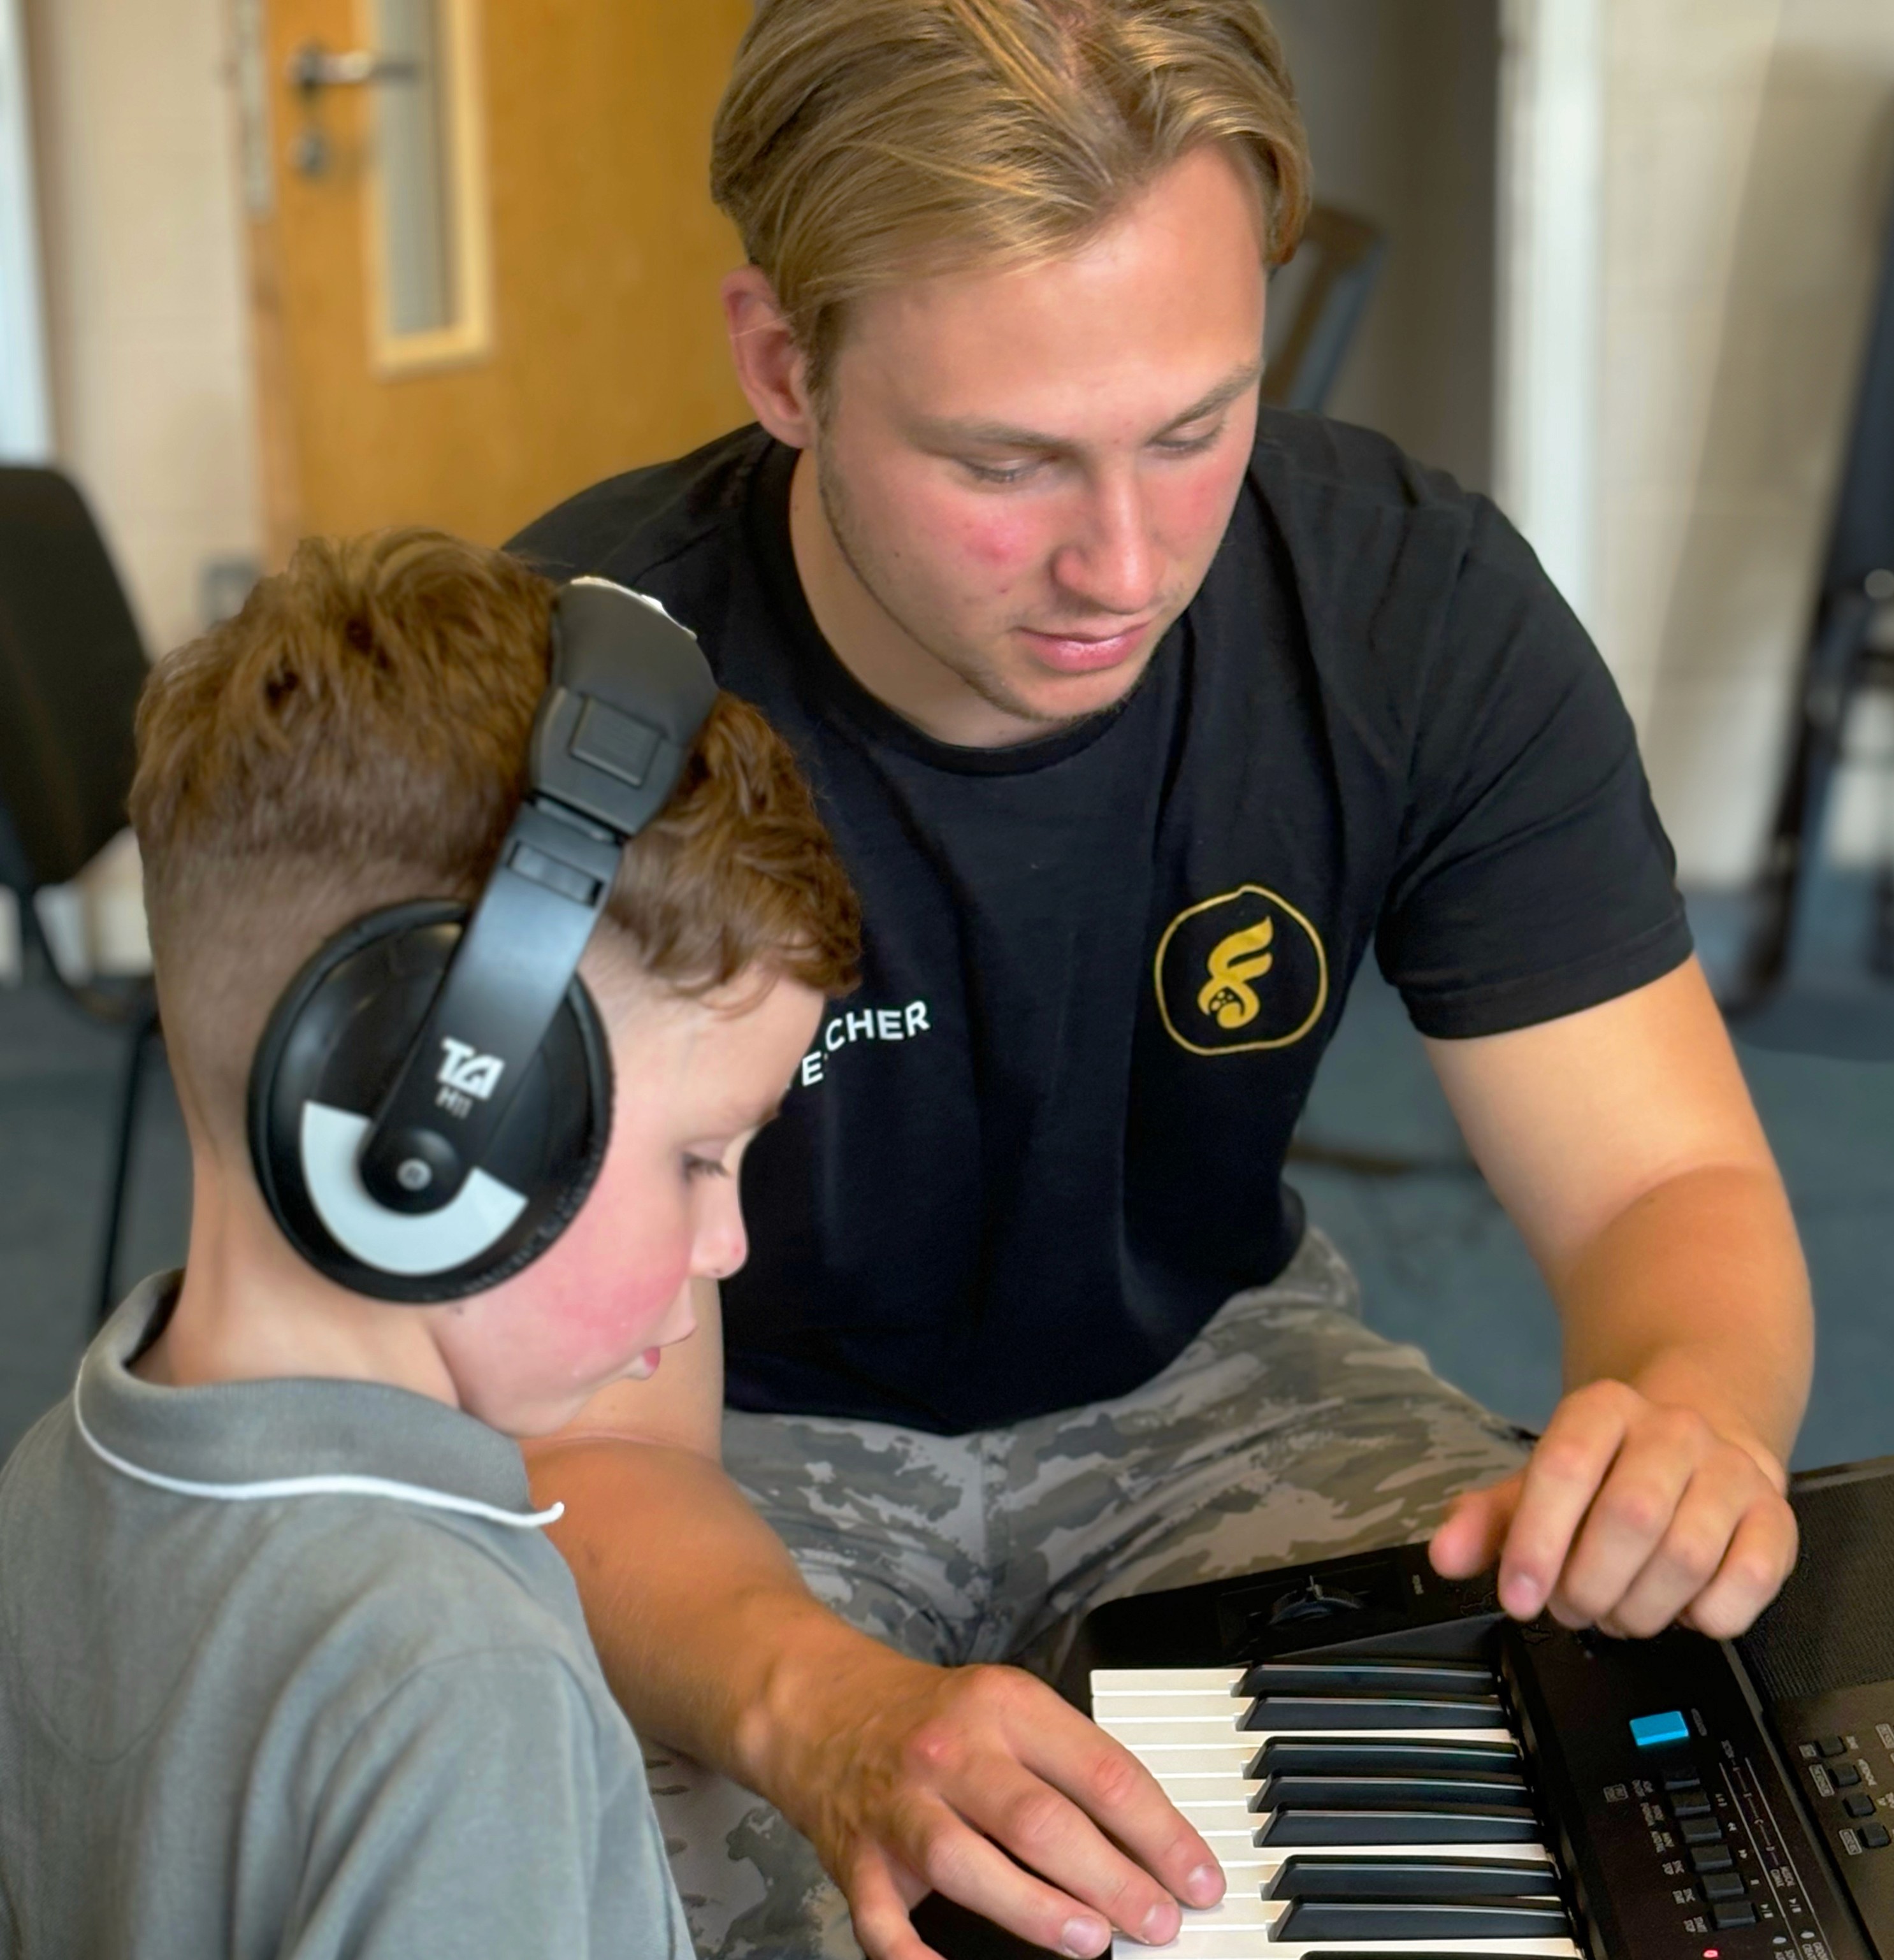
(1240, 972)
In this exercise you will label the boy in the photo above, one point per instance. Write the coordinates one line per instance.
(286, 1664)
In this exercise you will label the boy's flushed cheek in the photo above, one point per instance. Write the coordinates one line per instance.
(595, 1331)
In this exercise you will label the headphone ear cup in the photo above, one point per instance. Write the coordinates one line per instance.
(335, 1041)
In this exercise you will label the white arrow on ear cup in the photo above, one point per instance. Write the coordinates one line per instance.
(435, 1241)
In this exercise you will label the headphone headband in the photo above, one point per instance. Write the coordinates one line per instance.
(630, 689)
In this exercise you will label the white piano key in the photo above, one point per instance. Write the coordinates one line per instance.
(1136, 1732)
(1204, 1937)
(1168, 1707)
(1221, 1755)
(1165, 1680)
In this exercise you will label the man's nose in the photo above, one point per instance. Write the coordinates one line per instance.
(1113, 564)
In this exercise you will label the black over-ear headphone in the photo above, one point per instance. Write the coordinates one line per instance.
(432, 1098)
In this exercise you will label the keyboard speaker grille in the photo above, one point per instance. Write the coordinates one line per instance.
(1833, 1626)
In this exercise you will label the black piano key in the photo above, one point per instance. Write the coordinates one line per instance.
(1317, 1877)
(1374, 1711)
(1343, 1755)
(1313, 1920)
(1368, 1677)
(1377, 1792)
(1468, 1824)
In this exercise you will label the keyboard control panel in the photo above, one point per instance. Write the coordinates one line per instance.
(1679, 1833)
(1840, 1749)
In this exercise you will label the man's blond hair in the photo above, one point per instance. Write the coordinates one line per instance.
(863, 142)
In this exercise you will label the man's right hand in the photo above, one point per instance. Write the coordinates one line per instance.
(909, 1779)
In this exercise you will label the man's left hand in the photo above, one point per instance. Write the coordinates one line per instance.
(1629, 1515)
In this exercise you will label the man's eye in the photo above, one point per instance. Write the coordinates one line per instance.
(1194, 445)
(998, 473)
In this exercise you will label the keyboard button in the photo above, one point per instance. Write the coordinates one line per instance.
(1701, 1830)
(1858, 1806)
(1690, 1803)
(1844, 1776)
(1737, 1912)
(1874, 1836)
(1711, 1858)
(1684, 1779)
(1321, 1920)
(1315, 1877)
(1653, 1732)
(1831, 1745)
(1722, 1885)
(1477, 1824)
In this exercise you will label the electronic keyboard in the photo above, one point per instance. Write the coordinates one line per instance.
(1386, 1765)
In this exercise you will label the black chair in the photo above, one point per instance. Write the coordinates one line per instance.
(1316, 302)
(71, 666)
(1842, 658)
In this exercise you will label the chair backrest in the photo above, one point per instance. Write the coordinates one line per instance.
(71, 666)
(1316, 302)
(1861, 541)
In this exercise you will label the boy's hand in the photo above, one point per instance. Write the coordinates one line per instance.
(1630, 1514)
(908, 1778)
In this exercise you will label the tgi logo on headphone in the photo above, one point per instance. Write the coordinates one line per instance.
(466, 1077)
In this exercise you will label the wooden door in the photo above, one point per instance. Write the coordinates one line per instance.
(572, 139)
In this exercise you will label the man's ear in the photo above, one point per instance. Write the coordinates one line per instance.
(771, 370)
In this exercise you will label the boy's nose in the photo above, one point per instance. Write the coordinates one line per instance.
(722, 1243)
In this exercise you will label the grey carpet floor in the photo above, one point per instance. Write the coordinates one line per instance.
(1439, 1263)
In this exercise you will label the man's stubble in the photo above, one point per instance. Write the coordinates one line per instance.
(978, 677)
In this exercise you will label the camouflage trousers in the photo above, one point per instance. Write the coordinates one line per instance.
(1286, 1430)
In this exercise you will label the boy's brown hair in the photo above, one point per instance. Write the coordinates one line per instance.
(863, 142)
(357, 735)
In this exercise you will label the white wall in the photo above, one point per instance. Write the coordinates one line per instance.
(25, 408)
(1400, 97)
(153, 412)
(1740, 163)
(1750, 156)
(152, 407)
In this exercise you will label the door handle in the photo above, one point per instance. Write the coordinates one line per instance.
(313, 68)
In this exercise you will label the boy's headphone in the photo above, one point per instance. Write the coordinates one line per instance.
(432, 1098)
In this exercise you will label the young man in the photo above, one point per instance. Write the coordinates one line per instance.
(1139, 716)
(286, 1663)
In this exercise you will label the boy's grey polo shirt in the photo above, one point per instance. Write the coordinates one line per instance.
(331, 1721)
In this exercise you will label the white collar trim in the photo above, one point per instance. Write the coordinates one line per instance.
(315, 1486)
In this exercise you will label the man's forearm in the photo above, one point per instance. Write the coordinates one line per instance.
(1697, 1295)
(690, 1597)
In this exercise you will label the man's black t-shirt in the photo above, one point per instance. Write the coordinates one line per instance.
(1044, 1140)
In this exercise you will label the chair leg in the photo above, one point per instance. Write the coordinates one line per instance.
(132, 1083)
(1828, 681)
